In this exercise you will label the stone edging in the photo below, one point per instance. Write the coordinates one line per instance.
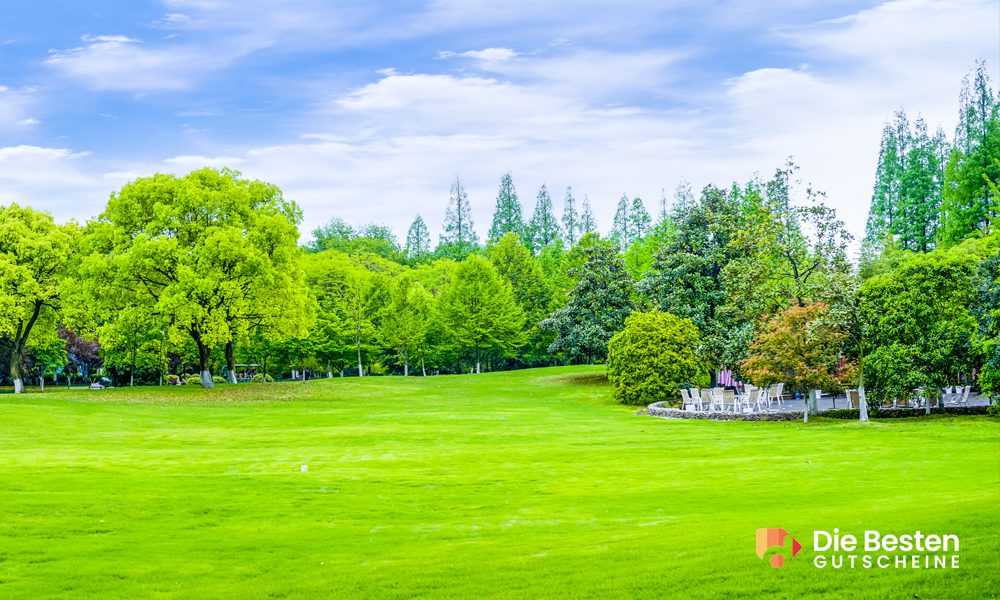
(657, 409)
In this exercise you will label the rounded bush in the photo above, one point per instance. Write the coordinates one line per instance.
(261, 378)
(217, 379)
(652, 357)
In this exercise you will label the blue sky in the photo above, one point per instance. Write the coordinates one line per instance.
(368, 111)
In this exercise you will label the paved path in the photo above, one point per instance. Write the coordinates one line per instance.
(828, 402)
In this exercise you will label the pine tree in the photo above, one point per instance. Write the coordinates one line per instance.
(507, 215)
(664, 213)
(418, 241)
(544, 228)
(570, 218)
(639, 221)
(883, 216)
(588, 224)
(973, 170)
(459, 237)
(622, 228)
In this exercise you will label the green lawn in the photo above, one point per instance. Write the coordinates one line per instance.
(524, 484)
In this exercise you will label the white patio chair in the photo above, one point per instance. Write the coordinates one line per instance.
(749, 401)
(691, 400)
(963, 399)
(715, 400)
(706, 399)
(779, 392)
(852, 399)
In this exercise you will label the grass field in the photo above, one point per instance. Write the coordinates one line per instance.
(524, 484)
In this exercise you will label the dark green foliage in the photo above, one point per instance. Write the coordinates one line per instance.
(971, 205)
(507, 214)
(686, 275)
(544, 228)
(597, 306)
(654, 354)
(571, 222)
(920, 324)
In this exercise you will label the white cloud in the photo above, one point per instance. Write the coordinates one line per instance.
(57, 180)
(15, 108)
(489, 55)
(120, 63)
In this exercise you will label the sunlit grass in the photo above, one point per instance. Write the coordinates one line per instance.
(530, 484)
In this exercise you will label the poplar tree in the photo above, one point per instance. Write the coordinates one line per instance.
(507, 216)
(571, 218)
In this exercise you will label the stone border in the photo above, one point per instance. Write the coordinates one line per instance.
(657, 409)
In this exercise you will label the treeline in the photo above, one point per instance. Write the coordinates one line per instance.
(202, 274)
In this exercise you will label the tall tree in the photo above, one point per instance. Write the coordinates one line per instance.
(459, 237)
(544, 227)
(621, 229)
(406, 319)
(571, 218)
(35, 259)
(587, 222)
(970, 206)
(596, 308)
(686, 278)
(639, 220)
(418, 241)
(507, 214)
(883, 215)
(211, 255)
(479, 310)
(352, 289)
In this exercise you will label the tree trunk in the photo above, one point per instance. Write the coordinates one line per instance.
(131, 379)
(15, 371)
(406, 363)
(862, 401)
(423, 368)
(813, 401)
(361, 368)
(231, 361)
(478, 370)
(41, 383)
(862, 404)
(206, 373)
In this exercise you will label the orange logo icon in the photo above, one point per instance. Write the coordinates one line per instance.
(773, 537)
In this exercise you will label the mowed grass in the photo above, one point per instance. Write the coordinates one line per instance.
(526, 484)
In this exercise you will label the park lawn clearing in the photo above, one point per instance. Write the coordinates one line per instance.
(527, 484)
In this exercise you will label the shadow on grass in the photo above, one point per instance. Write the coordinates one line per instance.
(588, 379)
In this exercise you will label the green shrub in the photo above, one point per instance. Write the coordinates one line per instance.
(652, 356)
(261, 378)
(217, 379)
(377, 369)
(173, 379)
(994, 409)
(192, 379)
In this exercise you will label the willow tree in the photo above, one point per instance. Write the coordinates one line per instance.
(35, 255)
(210, 256)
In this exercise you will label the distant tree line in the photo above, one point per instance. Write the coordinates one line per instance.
(202, 275)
